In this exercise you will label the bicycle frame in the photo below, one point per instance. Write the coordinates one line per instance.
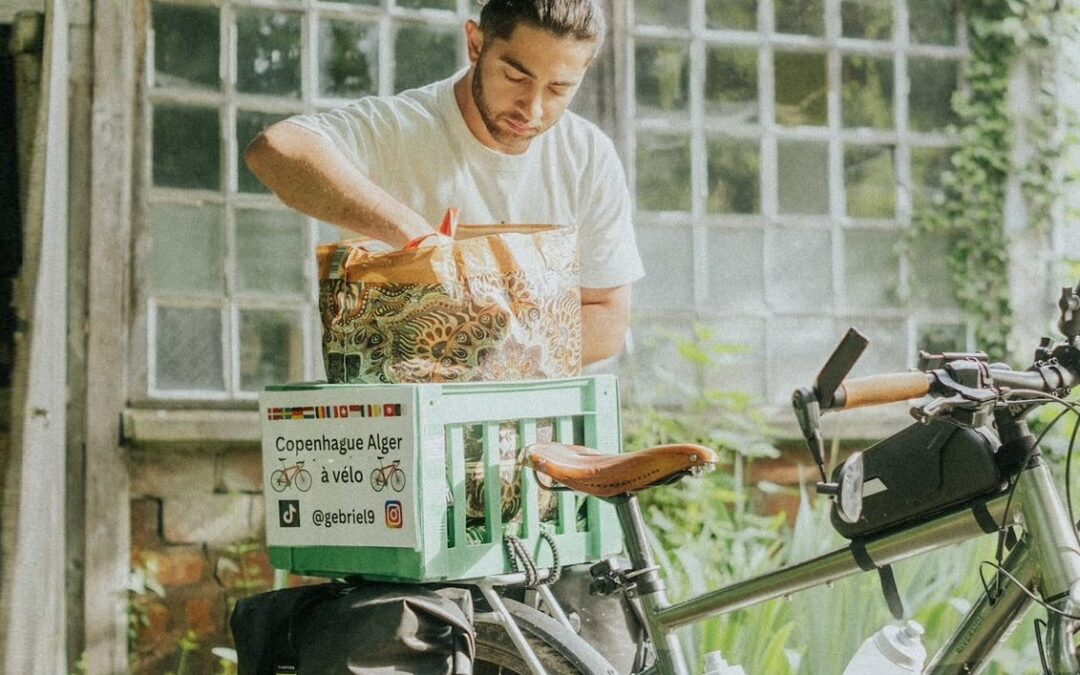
(1046, 559)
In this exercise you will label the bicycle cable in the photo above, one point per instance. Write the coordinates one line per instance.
(1039, 601)
(1036, 397)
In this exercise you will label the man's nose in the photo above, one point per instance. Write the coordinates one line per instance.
(532, 106)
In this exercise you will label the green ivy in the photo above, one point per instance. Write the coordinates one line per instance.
(970, 211)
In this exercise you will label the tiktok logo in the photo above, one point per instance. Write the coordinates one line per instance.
(289, 513)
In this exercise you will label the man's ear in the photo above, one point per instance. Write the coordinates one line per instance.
(474, 38)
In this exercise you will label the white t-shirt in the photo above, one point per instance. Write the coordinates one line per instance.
(417, 147)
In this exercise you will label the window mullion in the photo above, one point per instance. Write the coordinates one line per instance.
(230, 328)
(837, 188)
(698, 155)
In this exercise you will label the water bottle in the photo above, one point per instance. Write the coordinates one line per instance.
(893, 650)
(716, 665)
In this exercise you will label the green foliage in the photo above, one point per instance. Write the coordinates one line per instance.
(970, 210)
(705, 536)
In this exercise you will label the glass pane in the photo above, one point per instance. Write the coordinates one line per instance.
(662, 77)
(731, 91)
(662, 12)
(731, 14)
(427, 4)
(941, 337)
(734, 176)
(268, 53)
(888, 350)
(741, 365)
(866, 19)
(187, 249)
(669, 265)
(661, 375)
(271, 349)
(933, 21)
(933, 82)
(931, 279)
(186, 47)
(249, 125)
(927, 166)
(801, 89)
(798, 347)
(867, 92)
(806, 17)
(872, 268)
(870, 181)
(1068, 236)
(803, 177)
(189, 349)
(663, 173)
(422, 55)
(736, 269)
(270, 251)
(348, 59)
(187, 147)
(799, 271)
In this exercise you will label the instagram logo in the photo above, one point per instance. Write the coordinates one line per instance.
(395, 519)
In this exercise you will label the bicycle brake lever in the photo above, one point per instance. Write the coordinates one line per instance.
(960, 411)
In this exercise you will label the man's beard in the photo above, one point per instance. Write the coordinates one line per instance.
(487, 116)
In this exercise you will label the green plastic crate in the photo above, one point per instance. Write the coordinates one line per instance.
(337, 504)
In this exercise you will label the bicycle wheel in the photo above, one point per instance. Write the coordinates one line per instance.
(378, 480)
(279, 481)
(561, 651)
(397, 480)
(302, 481)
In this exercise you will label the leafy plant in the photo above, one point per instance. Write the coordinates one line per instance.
(969, 211)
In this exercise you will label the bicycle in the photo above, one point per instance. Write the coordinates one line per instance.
(295, 475)
(960, 394)
(390, 474)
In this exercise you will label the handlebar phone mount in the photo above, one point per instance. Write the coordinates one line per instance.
(809, 402)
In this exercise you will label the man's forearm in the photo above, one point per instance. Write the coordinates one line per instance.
(605, 316)
(308, 174)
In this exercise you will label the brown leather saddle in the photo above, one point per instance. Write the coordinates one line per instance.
(585, 470)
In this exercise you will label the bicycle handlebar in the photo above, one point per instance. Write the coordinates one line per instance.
(895, 387)
(881, 389)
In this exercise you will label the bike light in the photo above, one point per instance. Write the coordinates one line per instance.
(848, 490)
(849, 502)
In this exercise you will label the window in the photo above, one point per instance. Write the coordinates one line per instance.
(778, 150)
(226, 290)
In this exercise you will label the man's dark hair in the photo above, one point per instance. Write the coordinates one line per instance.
(579, 19)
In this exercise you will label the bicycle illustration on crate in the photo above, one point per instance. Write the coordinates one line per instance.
(389, 474)
(295, 475)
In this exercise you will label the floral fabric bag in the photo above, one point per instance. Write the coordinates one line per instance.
(501, 303)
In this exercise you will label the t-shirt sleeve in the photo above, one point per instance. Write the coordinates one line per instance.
(354, 130)
(607, 249)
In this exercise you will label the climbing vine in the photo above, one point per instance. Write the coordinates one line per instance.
(969, 210)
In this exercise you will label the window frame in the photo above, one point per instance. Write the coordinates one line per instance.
(899, 48)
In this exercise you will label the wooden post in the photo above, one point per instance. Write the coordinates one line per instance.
(107, 520)
(32, 597)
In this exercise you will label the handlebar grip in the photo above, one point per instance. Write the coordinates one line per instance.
(880, 389)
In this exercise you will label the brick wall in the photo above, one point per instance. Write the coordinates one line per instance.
(197, 532)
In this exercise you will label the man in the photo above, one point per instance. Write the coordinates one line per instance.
(495, 141)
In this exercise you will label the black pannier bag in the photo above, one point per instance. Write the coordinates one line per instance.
(371, 629)
(922, 470)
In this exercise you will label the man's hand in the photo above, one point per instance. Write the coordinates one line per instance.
(605, 316)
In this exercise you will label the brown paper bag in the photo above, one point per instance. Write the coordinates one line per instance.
(501, 303)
